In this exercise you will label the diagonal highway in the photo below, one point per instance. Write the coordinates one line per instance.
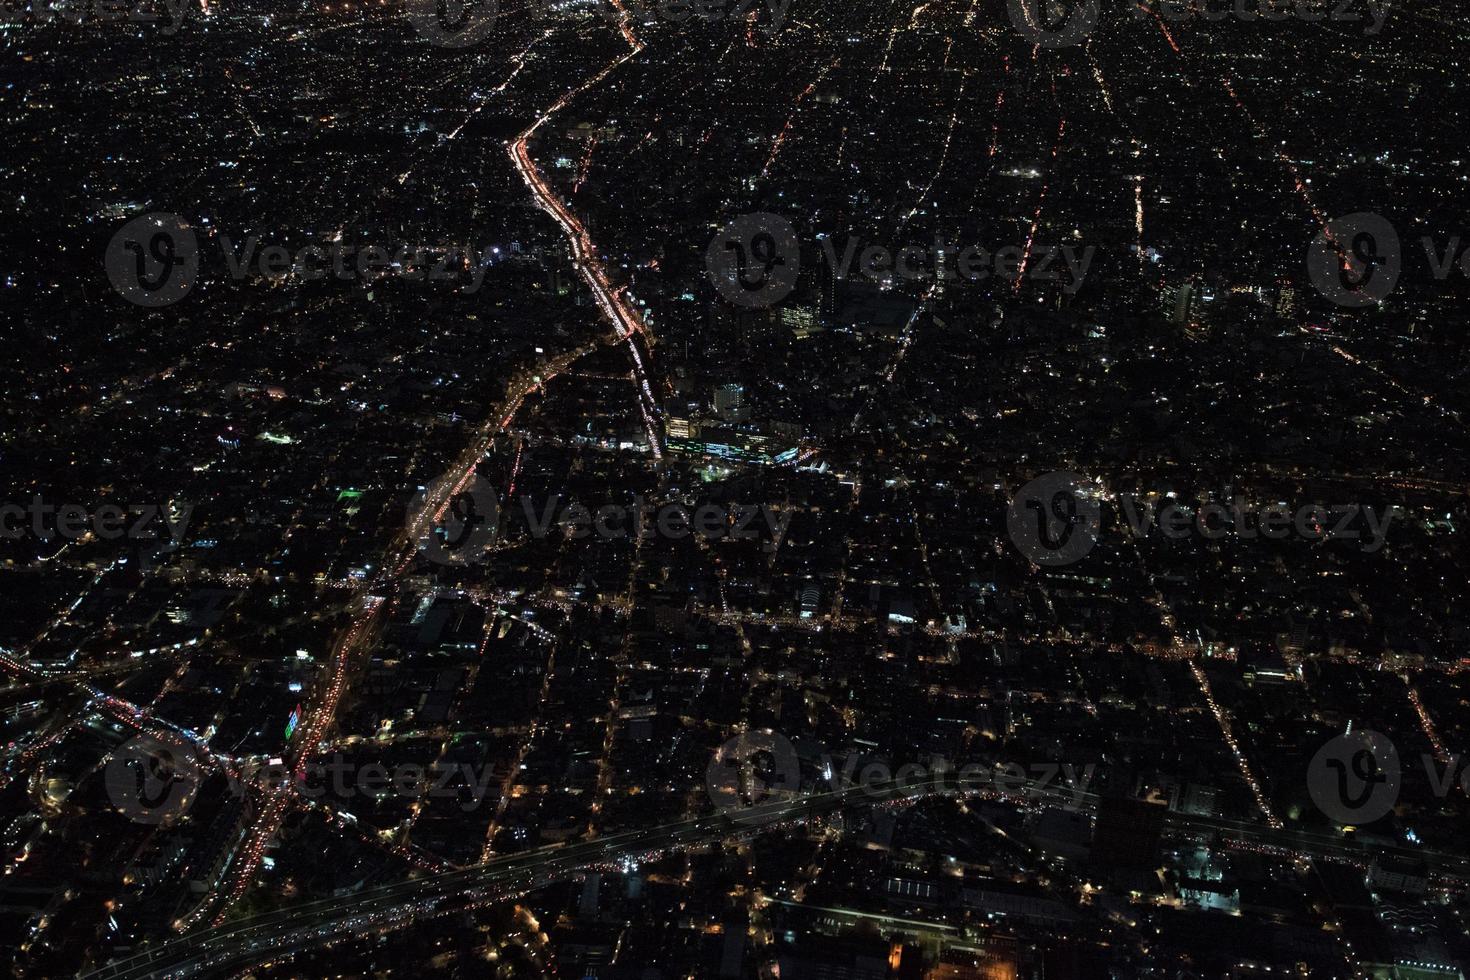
(278, 934)
(287, 930)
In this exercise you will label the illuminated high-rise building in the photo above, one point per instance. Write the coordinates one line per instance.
(730, 403)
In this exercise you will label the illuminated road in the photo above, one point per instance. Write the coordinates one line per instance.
(316, 721)
(264, 937)
(626, 323)
(624, 318)
(278, 934)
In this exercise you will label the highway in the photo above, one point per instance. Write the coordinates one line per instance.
(624, 318)
(350, 648)
(288, 930)
(275, 934)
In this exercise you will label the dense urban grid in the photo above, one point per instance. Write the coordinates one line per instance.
(743, 489)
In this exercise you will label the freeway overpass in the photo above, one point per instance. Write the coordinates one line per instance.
(279, 933)
(273, 934)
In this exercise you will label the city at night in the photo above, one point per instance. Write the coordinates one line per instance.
(735, 489)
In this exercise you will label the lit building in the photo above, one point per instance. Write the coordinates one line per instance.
(733, 444)
(801, 321)
(730, 403)
(1179, 302)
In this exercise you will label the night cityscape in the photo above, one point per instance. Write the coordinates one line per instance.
(735, 489)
